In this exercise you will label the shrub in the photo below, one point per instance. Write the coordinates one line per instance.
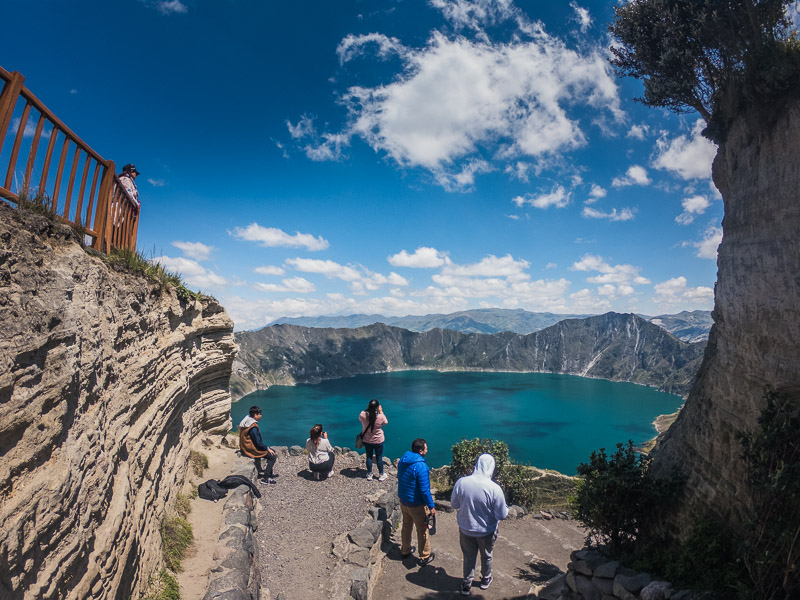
(176, 537)
(135, 262)
(771, 544)
(199, 462)
(522, 485)
(183, 505)
(618, 496)
(164, 588)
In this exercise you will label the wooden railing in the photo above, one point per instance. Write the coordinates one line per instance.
(107, 213)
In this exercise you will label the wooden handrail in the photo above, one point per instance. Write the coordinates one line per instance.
(108, 214)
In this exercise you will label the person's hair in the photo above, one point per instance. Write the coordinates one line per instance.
(315, 434)
(255, 410)
(418, 445)
(372, 414)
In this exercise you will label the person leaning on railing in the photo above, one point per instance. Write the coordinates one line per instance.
(128, 180)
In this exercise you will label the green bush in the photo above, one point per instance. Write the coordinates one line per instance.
(771, 544)
(618, 496)
(176, 537)
(522, 485)
(164, 588)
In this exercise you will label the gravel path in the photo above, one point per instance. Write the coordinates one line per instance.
(299, 518)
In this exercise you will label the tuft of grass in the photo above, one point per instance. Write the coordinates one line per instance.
(38, 203)
(164, 588)
(176, 537)
(136, 263)
(199, 462)
(183, 505)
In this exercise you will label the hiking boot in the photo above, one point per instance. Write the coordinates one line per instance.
(426, 561)
(409, 553)
(466, 587)
(486, 582)
(369, 476)
(383, 477)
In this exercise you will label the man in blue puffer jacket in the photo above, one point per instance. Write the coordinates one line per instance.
(416, 502)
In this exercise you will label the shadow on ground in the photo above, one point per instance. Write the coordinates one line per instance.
(539, 572)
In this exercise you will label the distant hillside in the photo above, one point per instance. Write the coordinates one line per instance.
(688, 326)
(611, 346)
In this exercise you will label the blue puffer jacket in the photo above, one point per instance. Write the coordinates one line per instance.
(413, 481)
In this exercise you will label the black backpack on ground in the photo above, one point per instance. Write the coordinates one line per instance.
(211, 490)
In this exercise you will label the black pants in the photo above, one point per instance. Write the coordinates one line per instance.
(264, 465)
(324, 467)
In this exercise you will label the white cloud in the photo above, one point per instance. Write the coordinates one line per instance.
(692, 207)
(271, 237)
(596, 193)
(328, 268)
(169, 7)
(359, 279)
(73, 91)
(269, 270)
(490, 266)
(519, 170)
(550, 265)
(30, 129)
(614, 274)
(558, 197)
(196, 250)
(707, 247)
(423, 258)
(585, 301)
(475, 14)
(626, 214)
(582, 16)
(156, 182)
(638, 132)
(294, 285)
(635, 175)
(689, 157)
(674, 292)
(353, 46)
(458, 99)
(192, 272)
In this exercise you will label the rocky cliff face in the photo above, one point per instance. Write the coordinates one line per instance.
(611, 346)
(105, 380)
(755, 340)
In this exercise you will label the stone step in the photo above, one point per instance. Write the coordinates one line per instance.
(528, 553)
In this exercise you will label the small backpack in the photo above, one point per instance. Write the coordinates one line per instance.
(211, 490)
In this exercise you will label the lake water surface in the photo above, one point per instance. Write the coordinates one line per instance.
(549, 421)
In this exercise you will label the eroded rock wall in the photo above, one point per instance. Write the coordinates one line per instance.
(105, 379)
(755, 340)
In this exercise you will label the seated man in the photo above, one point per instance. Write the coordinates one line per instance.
(251, 444)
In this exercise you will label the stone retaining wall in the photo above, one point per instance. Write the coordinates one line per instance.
(359, 551)
(235, 574)
(592, 576)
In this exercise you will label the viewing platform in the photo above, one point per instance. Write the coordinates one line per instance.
(40, 157)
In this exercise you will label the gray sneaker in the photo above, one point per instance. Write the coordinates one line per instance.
(486, 582)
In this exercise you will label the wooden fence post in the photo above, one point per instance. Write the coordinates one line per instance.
(8, 100)
(103, 212)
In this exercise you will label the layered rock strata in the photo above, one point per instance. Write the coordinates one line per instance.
(755, 340)
(105, 379)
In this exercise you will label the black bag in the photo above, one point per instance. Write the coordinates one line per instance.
(211, 490)
(430, 523)
(360, 440)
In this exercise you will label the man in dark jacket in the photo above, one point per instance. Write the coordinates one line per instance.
(251, 444)
(416, 502)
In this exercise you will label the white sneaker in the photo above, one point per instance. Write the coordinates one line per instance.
(383, 477)
(330, 474)
(369, 476)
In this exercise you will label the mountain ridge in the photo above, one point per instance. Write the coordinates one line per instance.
(690, 326)
(612, 346)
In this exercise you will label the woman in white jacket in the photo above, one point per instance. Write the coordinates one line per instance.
(320, 453)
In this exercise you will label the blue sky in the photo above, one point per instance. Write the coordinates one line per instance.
(394, 157)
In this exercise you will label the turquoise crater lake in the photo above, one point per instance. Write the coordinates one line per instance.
(549, 421)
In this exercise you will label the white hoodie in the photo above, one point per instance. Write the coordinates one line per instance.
(246, 422)
(479, 500)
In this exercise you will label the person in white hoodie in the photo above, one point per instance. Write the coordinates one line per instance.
(481, 504)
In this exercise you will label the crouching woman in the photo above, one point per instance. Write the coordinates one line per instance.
(320, 453)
